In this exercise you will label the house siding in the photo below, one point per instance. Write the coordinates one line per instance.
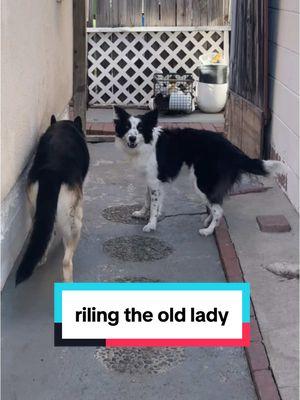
(284, 89)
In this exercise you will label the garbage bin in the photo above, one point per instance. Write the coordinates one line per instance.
(212, 87)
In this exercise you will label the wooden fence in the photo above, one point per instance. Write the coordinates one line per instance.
(118, 13)
(122, 61)
(248, 52)
(247, 105)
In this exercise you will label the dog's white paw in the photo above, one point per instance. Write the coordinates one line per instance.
(138, 214)
(42, 261)
(207, 221)
(206, 231)
(149, 227)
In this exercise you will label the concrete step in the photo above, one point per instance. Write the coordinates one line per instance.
(104, 130)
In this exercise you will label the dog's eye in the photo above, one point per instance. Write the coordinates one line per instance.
(139, 127)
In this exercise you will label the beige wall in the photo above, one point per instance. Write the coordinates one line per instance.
(36, 76)
(284, 89)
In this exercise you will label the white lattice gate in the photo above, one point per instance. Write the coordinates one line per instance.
(121, 61)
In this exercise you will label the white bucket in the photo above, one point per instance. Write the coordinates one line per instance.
(211, 98)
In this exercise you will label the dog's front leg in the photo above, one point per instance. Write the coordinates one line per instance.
(146, 207)
(155, 207)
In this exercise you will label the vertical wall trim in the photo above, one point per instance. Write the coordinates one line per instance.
(79, 60)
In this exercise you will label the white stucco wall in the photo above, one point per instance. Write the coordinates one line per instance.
(36, 45)
(36, 81)
(284, 88)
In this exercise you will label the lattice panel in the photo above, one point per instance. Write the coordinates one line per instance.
(121, 64)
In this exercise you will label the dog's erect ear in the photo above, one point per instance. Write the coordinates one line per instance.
(151, 118)
(52, 120)
(78, 122)
(120, 113)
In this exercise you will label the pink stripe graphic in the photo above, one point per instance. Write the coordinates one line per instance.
(244, 342)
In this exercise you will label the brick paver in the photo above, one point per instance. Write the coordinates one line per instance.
(273, 223)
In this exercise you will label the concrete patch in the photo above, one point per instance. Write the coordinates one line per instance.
(284, 269)
(123, 214)
(137, 248)
(136, 279)
(140, 361)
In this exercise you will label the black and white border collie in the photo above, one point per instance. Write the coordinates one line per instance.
(160, 154)
(54, 190)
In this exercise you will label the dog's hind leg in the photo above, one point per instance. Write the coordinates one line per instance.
(209, 217)
(70, 243)
(216, 215)
(212, 191)
(146, 207)
(69, 218)
(204, 201)
(71, 236)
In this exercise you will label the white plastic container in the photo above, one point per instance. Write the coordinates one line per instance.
(211, 98)
(212, 86)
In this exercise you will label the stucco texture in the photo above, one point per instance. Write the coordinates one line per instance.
(36, 76)
(284, 90)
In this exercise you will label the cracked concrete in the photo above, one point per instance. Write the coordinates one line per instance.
(140, 361)
(35, 370)
(136, 248)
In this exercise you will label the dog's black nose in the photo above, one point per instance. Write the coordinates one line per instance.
(132, 139)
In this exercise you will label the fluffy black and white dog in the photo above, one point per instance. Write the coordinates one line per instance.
(160, 154)
(55, 194)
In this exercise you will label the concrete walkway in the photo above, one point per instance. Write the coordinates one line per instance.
(35, 370)
(269, 261)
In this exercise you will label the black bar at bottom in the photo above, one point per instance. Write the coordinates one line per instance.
(59, 341)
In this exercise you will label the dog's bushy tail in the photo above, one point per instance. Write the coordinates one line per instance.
(261, 167)
(46, 205)
(274, 167)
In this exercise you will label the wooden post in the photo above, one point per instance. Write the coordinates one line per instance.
(226, 47)
(79, 60)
